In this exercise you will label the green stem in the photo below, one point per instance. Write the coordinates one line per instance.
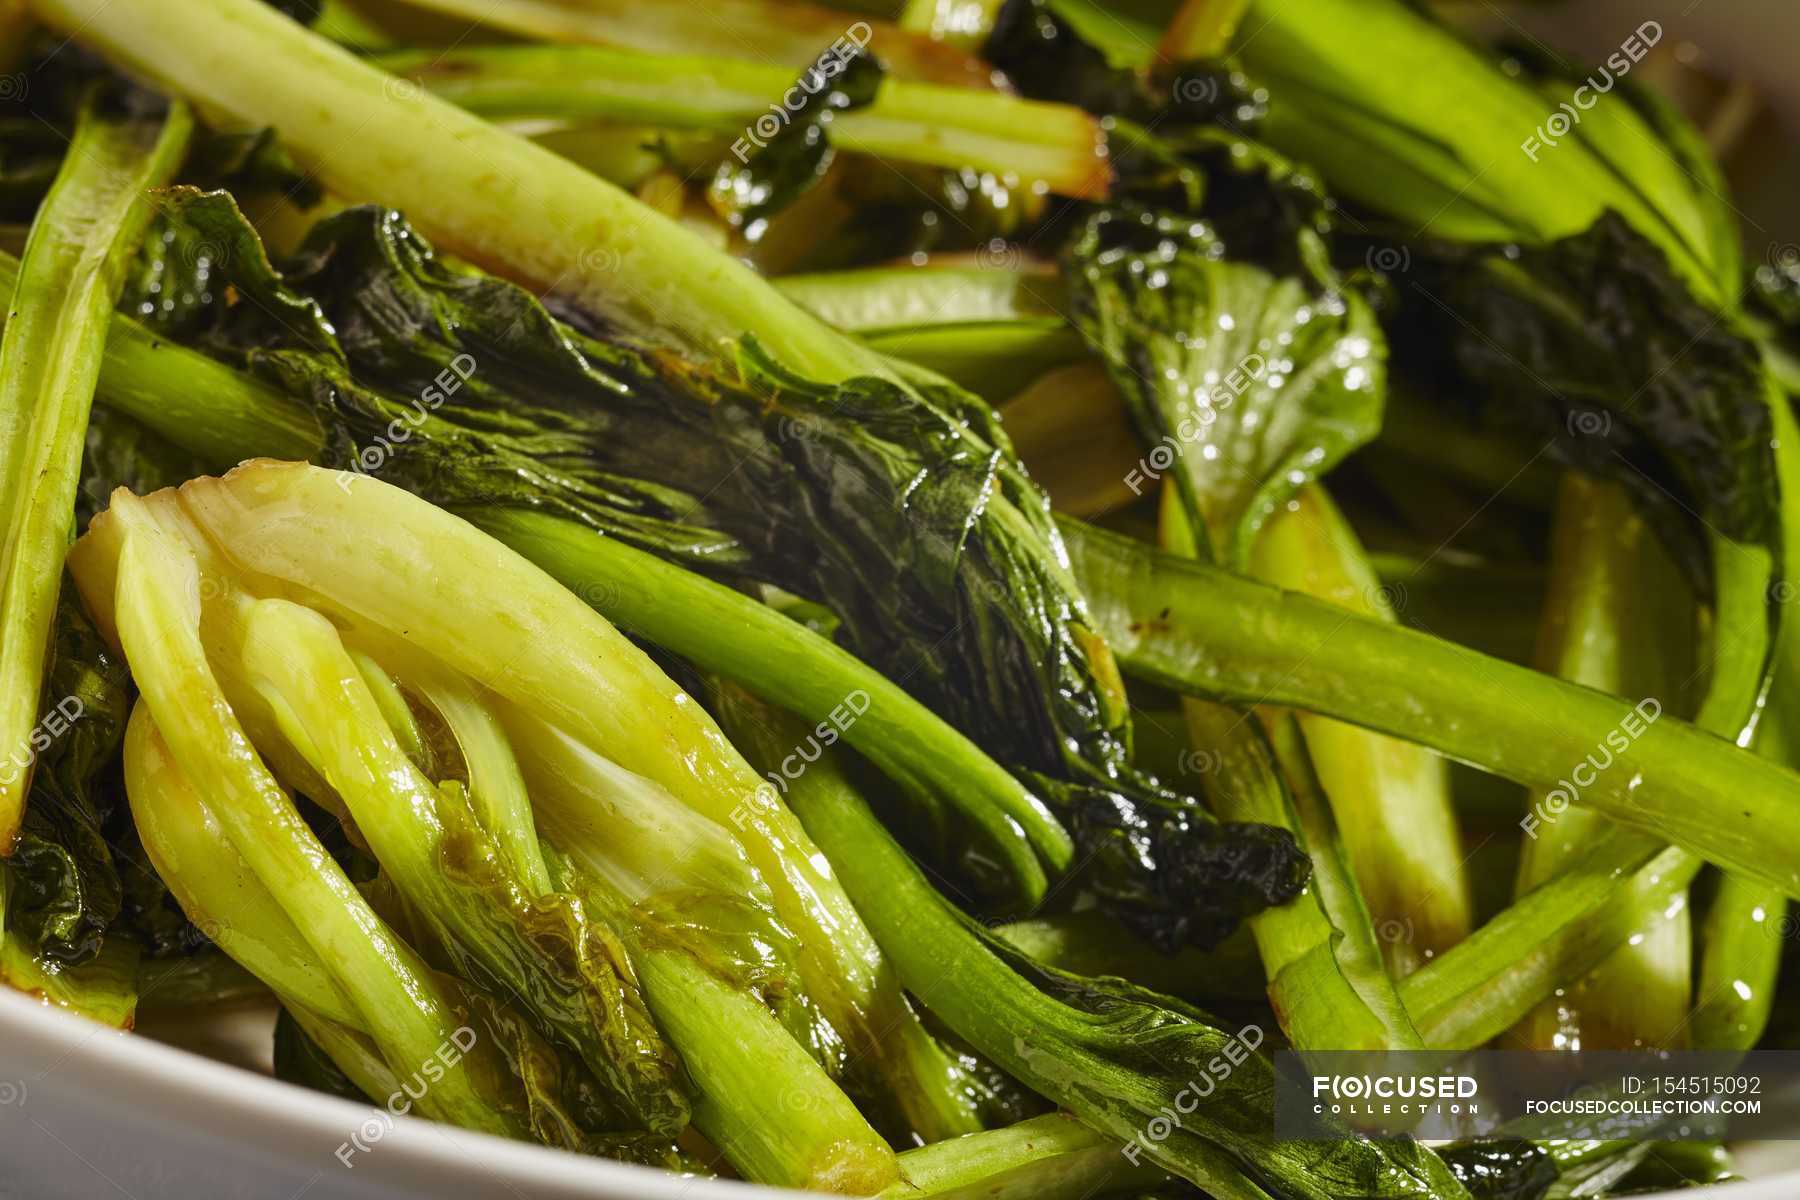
(1203, 631)
(493, 197)
(722, 631)
(1389, 800)
(1403, 115)
(647, 862)
(1615, 607)
(1053, 145)
(1108, 1053)
(212, 410)
(1550, 937)
(452, 877)
(1741, 957)
(211, 881)
(790, 32)
(1052, 1157)
(81, 243)
(762, 1100)
(1741, 942)
(1360, 947)
(1320, 1006)
(394, 994)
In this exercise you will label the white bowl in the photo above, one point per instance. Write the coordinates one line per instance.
(87, 1113)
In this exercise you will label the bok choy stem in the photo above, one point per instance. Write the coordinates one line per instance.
(781, 660)
(212, 409)
(1390, 800)
(392, 990)
(1322, 1000)
(1205, 632)
(762, 1099)
(1105, 1050)
(790, 32)
(69, 279)
(1616, 609)
(492, 196)
(1548, 938)
(1052, 1157)
(1054, 145)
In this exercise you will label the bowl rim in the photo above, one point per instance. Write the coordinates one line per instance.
(303, 1128)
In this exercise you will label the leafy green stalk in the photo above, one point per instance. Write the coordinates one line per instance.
(1360, 947)
(73, 268)
(790, 32)
(762, 1100)
(1200, 630)
(501, 1077)
(1324, 1003)
(379, 584)
(700, 920)
(494, 197)
(1740, 959)
(1052, 1157)
(209, 878)
(1614, 603)
(1432, 129)
(1627, 884)
(389, 986)
(500, 933)
(453, 876)
(192, 399)
(1741, 939)
(1051, 145)
(1110, 1053)
(1390, 800)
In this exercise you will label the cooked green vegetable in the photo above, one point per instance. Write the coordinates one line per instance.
(212, 602)
(1611, 587)
(1112, 1054)
(930, 461)
(580, 591)
(1039, 144)
(1262, 646)
(921, 468)
(68, 280)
